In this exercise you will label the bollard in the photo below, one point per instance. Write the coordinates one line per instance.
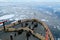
(14, 34)
(28, 34)
(20, 32)
(11, 37)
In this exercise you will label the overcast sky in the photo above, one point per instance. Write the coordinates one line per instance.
(29, 0)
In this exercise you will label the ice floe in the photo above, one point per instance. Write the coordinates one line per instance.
(24, 17)
(10, 19)
(48, 12)
(54, 26)
(44, 20)
(6, 16)
(16, 19)
(13, 22)
(58, 27)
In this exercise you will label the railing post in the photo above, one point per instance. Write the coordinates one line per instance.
(4, 26)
